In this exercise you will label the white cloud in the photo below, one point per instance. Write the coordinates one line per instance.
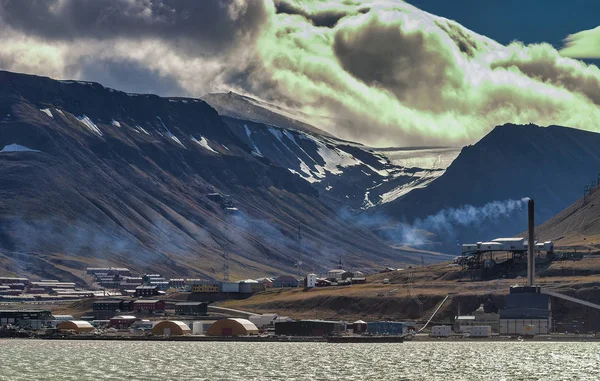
(584, 44)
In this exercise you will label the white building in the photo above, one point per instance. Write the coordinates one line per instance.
(481, 331)
(311, 280)
(335, 274)
(441, 331)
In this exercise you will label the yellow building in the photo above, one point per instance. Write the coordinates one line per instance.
(75, 326)
(171, 328)
(232, 327)
(206, 287)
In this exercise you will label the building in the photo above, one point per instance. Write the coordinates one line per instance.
(309, 328)
(526, 311)
(266, 320)
(335, 274)
(311, 280)
(285, 281)
(360, 326)
(122, 321)
(479, 318)
(481, 331)
(232, 287)
(108, 305)
(387, 327)
(206, 286)
(232, 327)
(267, 282)
(171, 328)
(75, 326)
(441, 331)
(191, 308)
(148, 305)
(323, 283)
(146, 291)
(25, 318)
(9, 279)
(251, 286)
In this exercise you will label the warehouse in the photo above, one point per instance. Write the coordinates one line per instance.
(171, 328)
(526, 310)
(232, 327)
(285, 281)
(75, 326)
(387, 328)
(191, 308)
(22, 317)
(309, 328)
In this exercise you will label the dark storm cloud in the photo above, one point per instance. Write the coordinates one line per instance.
(212, 26)
(325, 18)
(410, 63)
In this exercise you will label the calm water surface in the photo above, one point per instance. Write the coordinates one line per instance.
(97, 360)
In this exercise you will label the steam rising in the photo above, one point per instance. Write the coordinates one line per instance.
(444, 225)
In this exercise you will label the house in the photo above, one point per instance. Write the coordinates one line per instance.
(359, 280)
(122, 321)
(191, 308)
(148, 305)
(267, 282)
(145, 291)
(347, 275)
(285, 281)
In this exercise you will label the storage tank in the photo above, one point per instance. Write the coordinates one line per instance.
(230, 287)
(197, 328)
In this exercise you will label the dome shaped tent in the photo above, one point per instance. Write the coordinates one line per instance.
(232, 327)
(171, 328)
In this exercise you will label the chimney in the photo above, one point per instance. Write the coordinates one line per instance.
(530, 246)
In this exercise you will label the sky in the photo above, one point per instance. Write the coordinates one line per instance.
(381, 72)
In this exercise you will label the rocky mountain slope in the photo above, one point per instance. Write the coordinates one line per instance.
(94, 176)
(576, 225)
(550, 164)
(346, 174)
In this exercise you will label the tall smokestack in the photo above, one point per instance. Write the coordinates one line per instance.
(531, 246)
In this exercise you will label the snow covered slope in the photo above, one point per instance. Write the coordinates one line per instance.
(346, 174)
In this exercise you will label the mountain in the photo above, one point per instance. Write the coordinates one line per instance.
(576, 225)
(92, 176)
(549, 164)
(347, 175)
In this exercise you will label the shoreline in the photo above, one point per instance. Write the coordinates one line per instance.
(313, 339)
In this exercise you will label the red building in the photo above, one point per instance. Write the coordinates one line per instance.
(148, 305)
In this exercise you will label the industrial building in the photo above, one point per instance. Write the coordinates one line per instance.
(191, 308)
(232, 327)
(388, 327)
(171, 328)
(479, 318)
(309, 328)
(23, 318)
(75, 326)
(526, 308)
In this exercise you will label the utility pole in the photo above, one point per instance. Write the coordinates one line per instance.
(226, 265)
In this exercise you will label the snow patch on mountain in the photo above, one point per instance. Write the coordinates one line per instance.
(89, 124)
(203, 143)
(47, 112)
(115, 123)
(169, 133)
